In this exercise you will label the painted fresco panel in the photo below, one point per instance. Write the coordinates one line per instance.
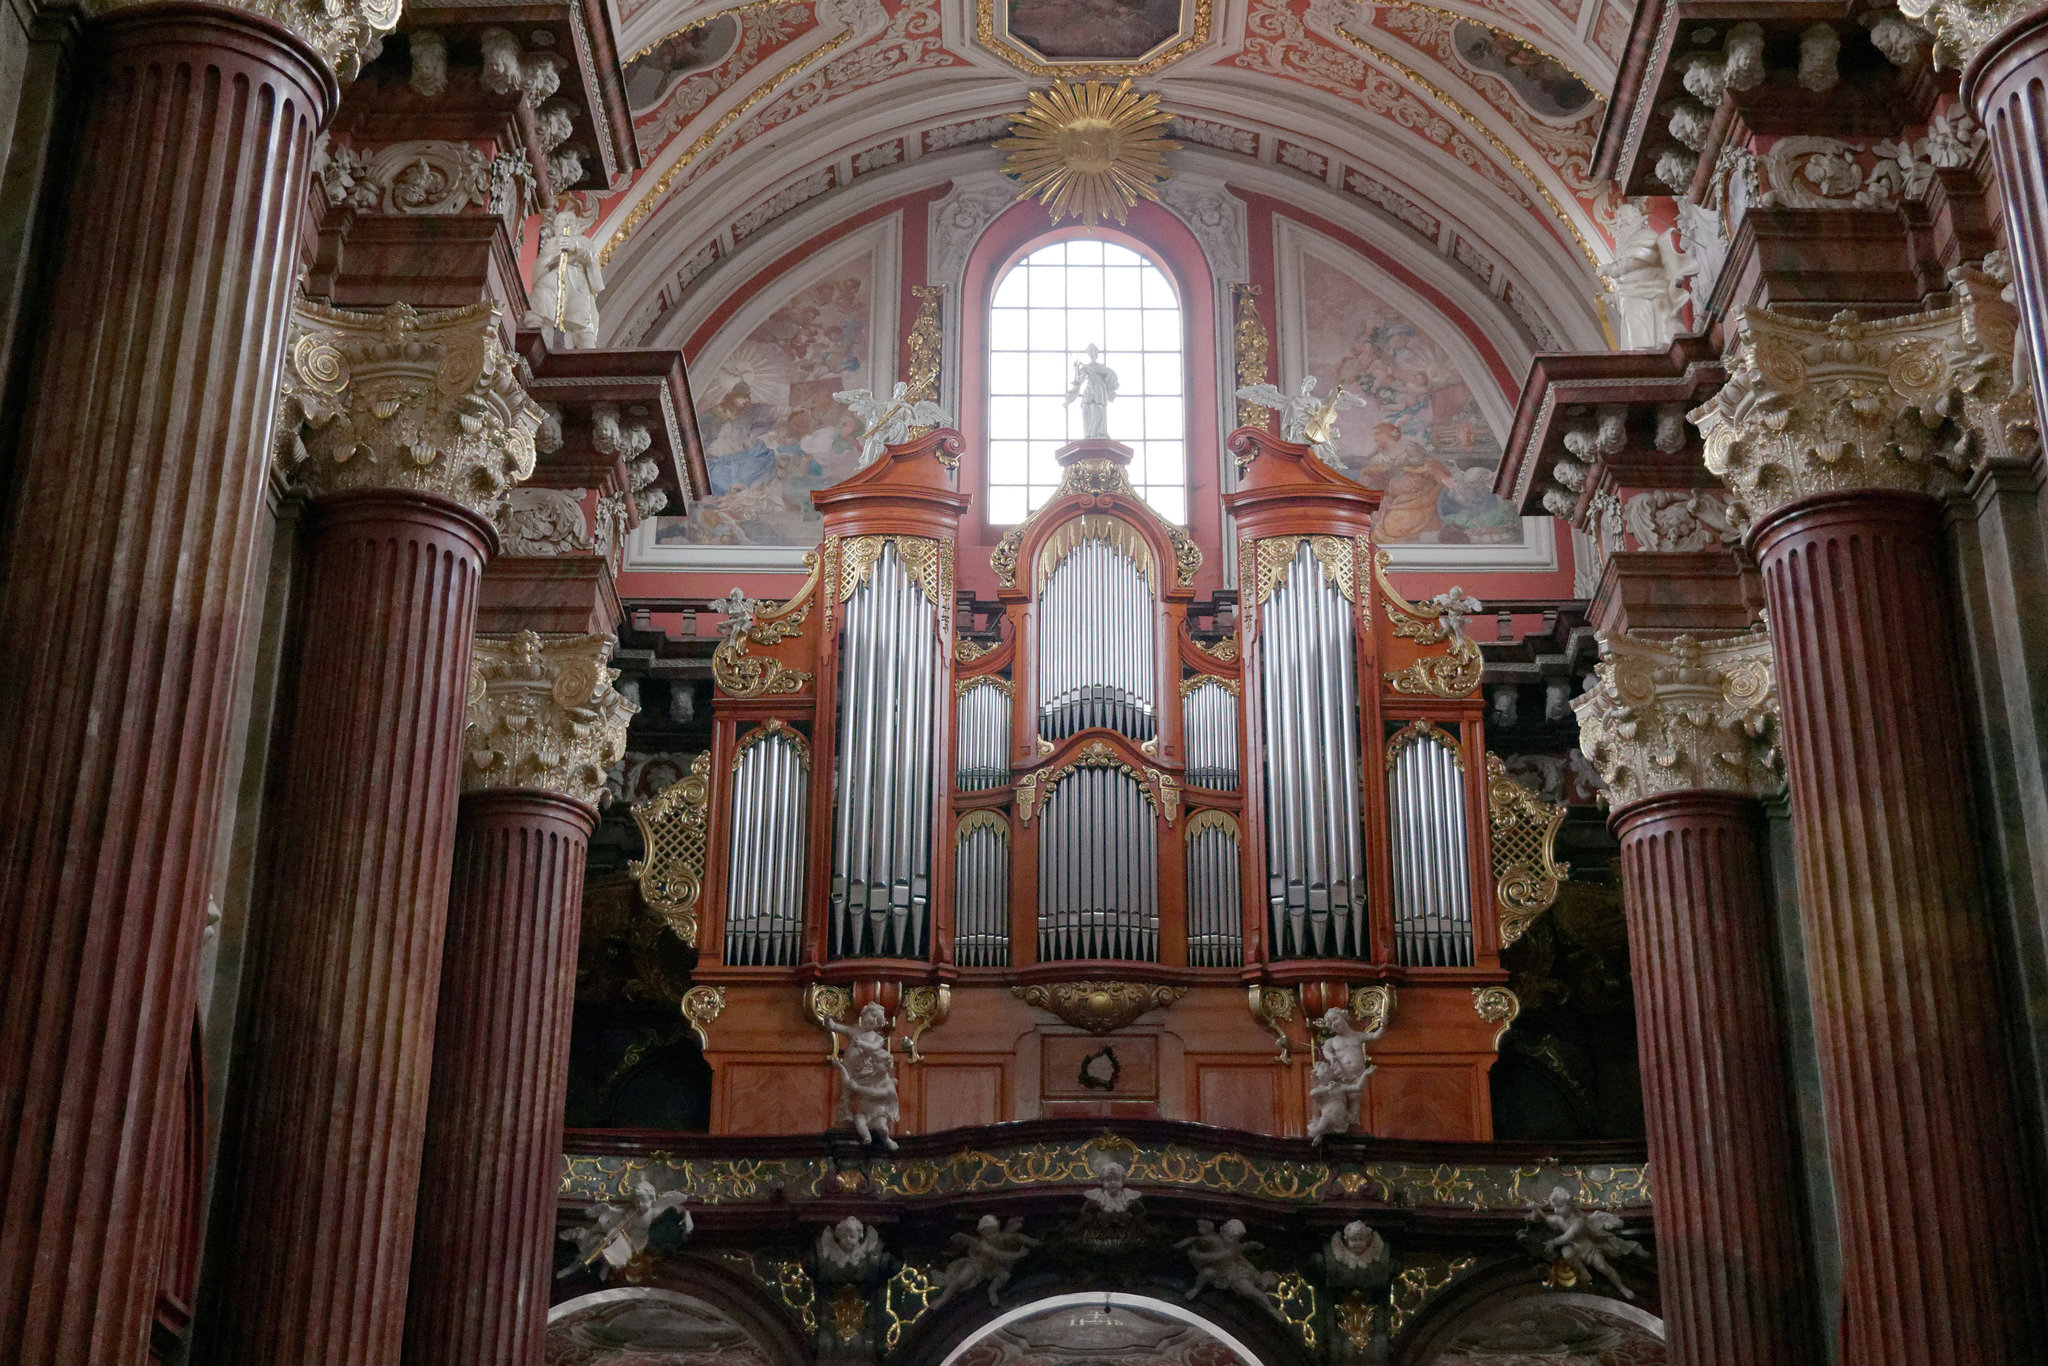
(1421, 438)
(1094, 30)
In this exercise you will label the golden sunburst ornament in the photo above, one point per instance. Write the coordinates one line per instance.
(1089, 151)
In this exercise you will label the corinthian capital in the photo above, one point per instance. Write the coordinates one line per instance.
(543, 716)
(1961, 28)
(347, 33)
(407, 400)
(1898, 403)
(1684, 714)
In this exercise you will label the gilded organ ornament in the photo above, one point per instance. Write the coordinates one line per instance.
(1098, 1007)
(1089, 151)
(674, 828)
(749, 622)
(1526, 872)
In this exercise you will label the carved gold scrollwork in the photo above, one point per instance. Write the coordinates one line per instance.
(1419, 730)
(702, 1005)
(924, 1008)
(1271, 1007)
(1160, 789)
(1006, 686)
(822, 1003)
(673, 827)
(1213, 819)
(967, 651)
(1252, 345)
(927, 345)
(1275, 554)
(928, 563)
(773, 728)
(1373, 1006)
(1098, 1007)
(742, 675)
(1497, 1005)
(1526, 872)
(1454, 674)
(1224, 650)
(1229, 685)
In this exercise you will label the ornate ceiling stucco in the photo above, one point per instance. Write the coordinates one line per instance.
(1469, 122)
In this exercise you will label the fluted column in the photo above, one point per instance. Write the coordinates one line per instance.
(1682, 735)
(126, 582)
(545, 727)
(409, 428)
(2003, 47)
(1834, 435)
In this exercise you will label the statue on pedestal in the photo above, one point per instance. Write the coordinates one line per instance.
(1095, 385)
(566, 282)
(1645, 282)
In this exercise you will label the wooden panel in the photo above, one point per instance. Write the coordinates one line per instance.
(958, 1096)
(1068, 1058)
(1235, 1096)
(1445, 1101)
(780, 1096)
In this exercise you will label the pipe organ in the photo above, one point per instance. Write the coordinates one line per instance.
(1080, 797)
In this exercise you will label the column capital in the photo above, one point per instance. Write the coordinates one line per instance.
(346, 33)
(543, 715)
(1963, 28)
(403, 399)
(1680, 715)
(1902, 403)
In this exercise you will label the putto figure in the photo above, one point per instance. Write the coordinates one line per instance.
(1578, 1241)
(888, 421)
(1111, 1195)
(1338, 1077)
(617, 1234)
(1095, 385)
(849, 1251)
(868, 1096)
(1218, 1256)
(989, 1253)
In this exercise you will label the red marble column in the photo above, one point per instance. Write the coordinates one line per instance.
(2007, 84)
(1715, 1092)
(126, 583)
(320, 1164)
(1939, 1235)
(483, 1250)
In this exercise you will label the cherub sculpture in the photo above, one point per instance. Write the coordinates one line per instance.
(868, 1073)
(567, 279)
(849, 1251)
(1218, 1256)
(987, 1254)
(1338, 1077)
(1304, 418)
(1580, 1240)
(888, 421)
(1095, 385)
(618, 1233)
(1357, 1256)
(1111, 1195)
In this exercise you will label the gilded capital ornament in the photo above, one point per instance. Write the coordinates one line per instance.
(1895, 403)
(1961, 28)
(1682, 715)
(346, 33)
(543, 716)
(404, 399)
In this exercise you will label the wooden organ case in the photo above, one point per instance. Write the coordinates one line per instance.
(1088, 863)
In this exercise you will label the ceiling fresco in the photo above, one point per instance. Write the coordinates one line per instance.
(1480, 113)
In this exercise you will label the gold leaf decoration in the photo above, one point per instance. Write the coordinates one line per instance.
(1526, 872)
(1098, 1007)
(1089, 151)
(673, 825)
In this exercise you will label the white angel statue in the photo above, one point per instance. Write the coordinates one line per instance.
(616, 1234)
(1304, 418)
(1584, 1239)
(888, 420)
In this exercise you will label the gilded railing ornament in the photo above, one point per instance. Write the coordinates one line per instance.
(1272, 1007)
(404, 399)
(1497, 1005)
(675, 829)
(1438, 621)
(1907, 403)
(1682, 714)
(543, 716)
(701, 1006)
(1098, 1007)
(1526, 872)
(747, 622)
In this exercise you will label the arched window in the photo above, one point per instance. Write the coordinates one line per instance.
(1045, 311)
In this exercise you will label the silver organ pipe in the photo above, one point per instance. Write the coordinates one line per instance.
(1432, 878)
(1096, 619)
(1098, 861)
(764, 901)
(1209, 726)
(981, 892)
(1308, 675)
(1215, 927)
(881, 852)
(982, 737)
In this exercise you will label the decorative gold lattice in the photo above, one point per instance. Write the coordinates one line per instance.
(1526, 872)
(673, 827)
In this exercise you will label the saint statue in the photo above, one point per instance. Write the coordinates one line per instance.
(566, 282)
(1095, 385)
(1645, 282)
